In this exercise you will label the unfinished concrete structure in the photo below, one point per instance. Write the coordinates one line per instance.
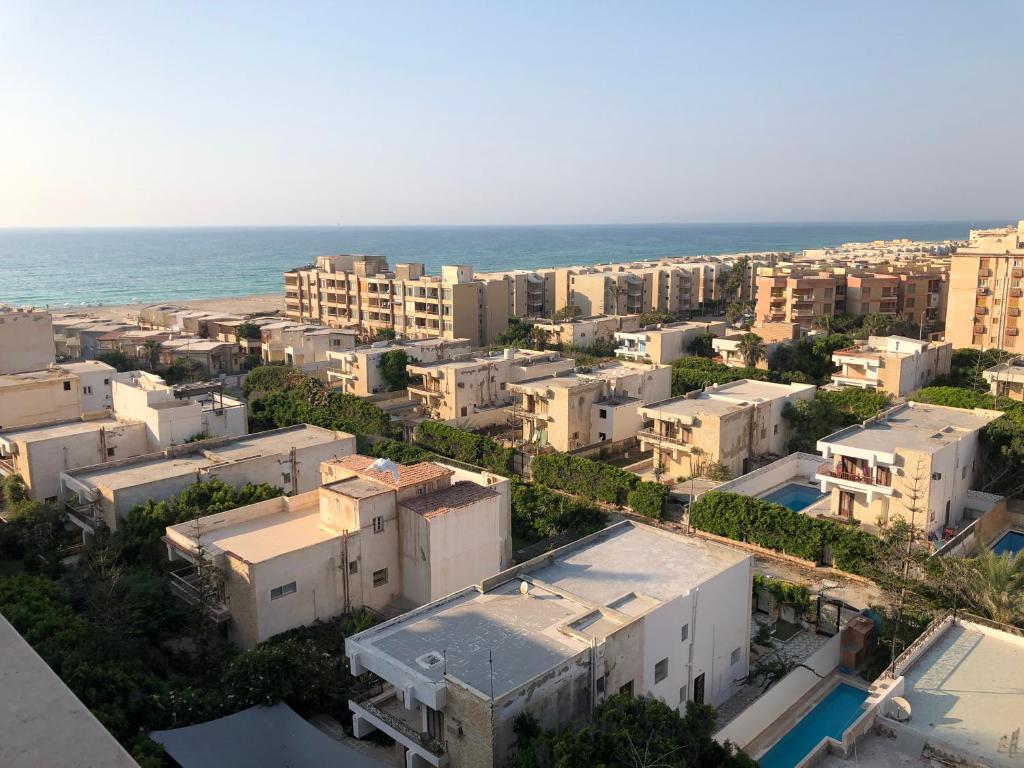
(630, 609)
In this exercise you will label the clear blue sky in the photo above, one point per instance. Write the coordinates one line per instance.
(179, 113)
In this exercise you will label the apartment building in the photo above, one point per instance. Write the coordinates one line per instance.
(26, 340)
(729, 350)
(288, 458)
(301, 344)
(586, 406)
(726, 424)
(215, 357)
(371, 534)
(986, 291)
(582, 331)
(360, 291)
(472, 390)
(57, 393)
(630, 609)
(665, 342)
(872, 294)
(357, 371)
(795, 298)
(1006, 379)
(893, 364)
(914, 461)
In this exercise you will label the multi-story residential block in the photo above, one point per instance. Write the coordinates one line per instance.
(57, 393)
(360, 291)
(586, 406)
(581, 331)
(795, 298)
(358, 372)
(373, 533)
(916, 461)
(630, 609)
(986, 291)
(301, 344)
(26, 340)
(665, 342)
(893, 364)
(288, 458)
(726, 424)
(872, 294)
(470, 390)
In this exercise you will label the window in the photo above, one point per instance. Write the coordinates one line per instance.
(283, 590)
(110, 452)
(775, 429)
(599, 685)
(684, 633)
(378, 524)
(286, 477)
(661, 670)
(627, 689)
(380, 578)
(734, 659)
(353, 567)
(682, 695)
(603, 413)
(463, 410)
(106, 382)
(87, 390)
(67, 386)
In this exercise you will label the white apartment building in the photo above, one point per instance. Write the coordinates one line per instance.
(665, 342)
(893, 364)
(727, 424)
(302, 344)
(586, 406)
(357, 371)
(472, 390)
(288, 458)
(916, 461)
(373, 533)
(630, 609)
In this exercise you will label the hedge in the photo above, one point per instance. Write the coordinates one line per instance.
(538, 513)
(774, 526)
(398, 451)
(583, 477)
(465, 446)
(648, 499)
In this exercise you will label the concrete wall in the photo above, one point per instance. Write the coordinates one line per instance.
(461, 548)
(797, 467)
(40, 402)
(26, 341)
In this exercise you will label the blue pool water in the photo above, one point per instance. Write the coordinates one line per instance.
(794, 496)
(1010, 543)
(830, 717)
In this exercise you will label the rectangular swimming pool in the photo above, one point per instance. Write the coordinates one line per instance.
(830, 717)
(1010, 543)
(794, 495)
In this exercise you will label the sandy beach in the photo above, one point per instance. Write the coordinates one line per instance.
(233, 305)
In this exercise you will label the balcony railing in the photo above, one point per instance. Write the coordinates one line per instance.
(853, 477)
(427, 742)
(186, 583)
(650, 434)
(6, 466)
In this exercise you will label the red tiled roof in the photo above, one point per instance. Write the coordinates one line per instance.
(461, 494)
(411, 474)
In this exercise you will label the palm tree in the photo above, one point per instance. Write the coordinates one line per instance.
(735, 311)
(997, 592)
(152, 348)
(752, 349)
(824, 323)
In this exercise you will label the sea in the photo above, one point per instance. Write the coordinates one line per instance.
(89, 267)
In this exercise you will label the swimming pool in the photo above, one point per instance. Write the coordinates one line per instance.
(794, 496)
(830, 717)
(1010, 543)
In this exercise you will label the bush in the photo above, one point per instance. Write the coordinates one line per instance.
(399, 452)
(648, 499)
(393, 369)
(690, 373)
(774, 526)
(583, 477)
(118, 360)
(538, 513)
(479, 450)
(827, 412)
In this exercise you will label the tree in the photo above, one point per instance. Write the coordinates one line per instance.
(997, 590)
(185, 369)
(118, 360)
(518, 334)
(752, 349)
(383, 334)
(655, 318)
(701, 344)
(392, 366)
(151, 348)
(567, 312)
(735, 312)
(247, 331)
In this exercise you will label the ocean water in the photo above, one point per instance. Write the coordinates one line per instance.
(117, 266)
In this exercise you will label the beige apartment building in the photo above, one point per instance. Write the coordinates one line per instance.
(986, 291)
(58, 393)
(215, 357)
(788, 298)
(1006, 379)
(575, 409)
(473, 390)
(666, 342)
(371, 535)
(726, 424)
(893, 364)
(581, 331)
(26, 340)
(357, 371)
(301, 344)
(728, 350)
(361, 292)
(915, 461)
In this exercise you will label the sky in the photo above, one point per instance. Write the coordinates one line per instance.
(444, 113)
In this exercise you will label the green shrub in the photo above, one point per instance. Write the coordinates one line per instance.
(583, 477)
(539, 513)
(690, 373)
(398, 451)
(470, 448)
(648, 499)
(827, 412)
(774, 526)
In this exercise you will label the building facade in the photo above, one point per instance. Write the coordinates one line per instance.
(893, 364)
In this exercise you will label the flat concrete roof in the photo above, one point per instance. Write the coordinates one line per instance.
(42, 723)
(967, 690)
(273, 441)
(357, 487)
(63, 429)
(691, 406)
(753, 390)
(913, 426)
(88, 366)
(30, 377)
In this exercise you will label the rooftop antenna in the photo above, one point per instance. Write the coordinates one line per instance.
(490, 664)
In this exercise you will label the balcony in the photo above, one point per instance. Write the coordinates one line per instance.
(388, 713)
(864, 481)
(424, 392)
(984, 273)
(649, 435)
(1015, 293)
(187, 583)
(7, 465)
(981, 310)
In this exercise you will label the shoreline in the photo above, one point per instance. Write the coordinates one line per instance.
(230, 305)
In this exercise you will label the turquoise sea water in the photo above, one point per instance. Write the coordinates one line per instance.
(115, 266)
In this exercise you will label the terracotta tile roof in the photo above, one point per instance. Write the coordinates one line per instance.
(408, 474)
(461, 494)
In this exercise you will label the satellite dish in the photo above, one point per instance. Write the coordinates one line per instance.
(524, 588)
(386, 465)
(899, 709)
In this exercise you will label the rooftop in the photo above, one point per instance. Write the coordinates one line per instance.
(912, 426)
(61, 429)
(456, 496)
(32, 377)
(408, 474)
